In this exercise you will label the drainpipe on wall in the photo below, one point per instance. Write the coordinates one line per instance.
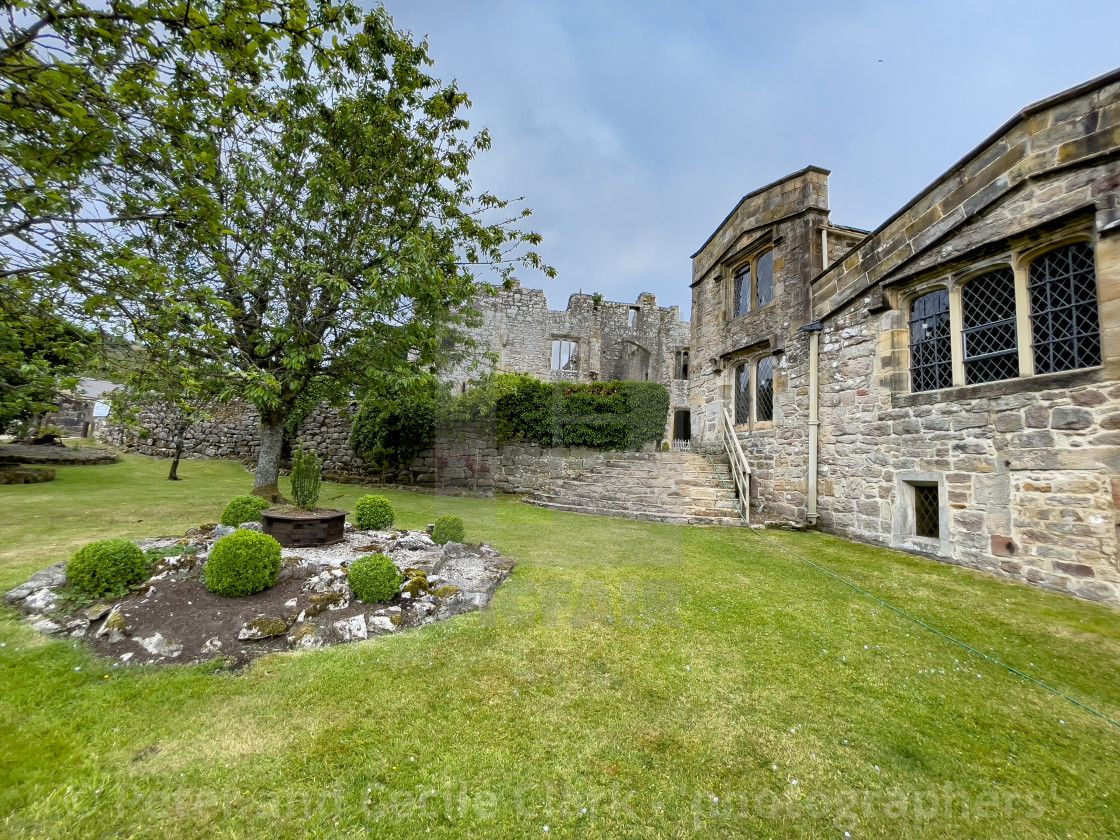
(814, 331)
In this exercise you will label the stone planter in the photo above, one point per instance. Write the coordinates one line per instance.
(304, 528)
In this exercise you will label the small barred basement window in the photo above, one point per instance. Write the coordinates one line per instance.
(927, 511)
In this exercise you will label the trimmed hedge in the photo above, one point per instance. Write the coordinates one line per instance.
(448, 529)
(601, 415)
(373, 513)
(107, 567)
(243, 563)
(374, 579)
(243, 509)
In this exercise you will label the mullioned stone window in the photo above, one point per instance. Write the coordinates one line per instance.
(761, 373)
(753, 284)
(1038, 314)
(565, 354)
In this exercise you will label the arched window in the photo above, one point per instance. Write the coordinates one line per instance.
(1064, 320)
(764, 393)
(988, 327)
(931, 360)
(743, 394)
(764, 279)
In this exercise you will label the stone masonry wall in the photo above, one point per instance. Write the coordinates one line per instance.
(788, 216)
(465, 459)
(1027, 469)
(1031, 477)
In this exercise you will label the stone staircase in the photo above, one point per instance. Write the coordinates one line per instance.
(675, 487)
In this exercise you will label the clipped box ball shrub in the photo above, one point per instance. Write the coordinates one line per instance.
(373, 513)
(243, 563)
(374, 579)
(448, 529)
(243, 509)
(108, 567)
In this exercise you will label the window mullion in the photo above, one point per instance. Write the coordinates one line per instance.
(956, 321)
(1023, 320)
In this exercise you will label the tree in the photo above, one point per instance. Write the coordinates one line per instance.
(98, 105)
(335, 239)
(40, 355)
(170, 391)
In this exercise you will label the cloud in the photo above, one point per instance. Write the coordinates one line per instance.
(633, 126)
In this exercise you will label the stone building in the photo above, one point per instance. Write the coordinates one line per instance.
(593, 339)
(948, 383)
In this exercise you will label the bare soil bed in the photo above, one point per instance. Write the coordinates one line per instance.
(174, 618)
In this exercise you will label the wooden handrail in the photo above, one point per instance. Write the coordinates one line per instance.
(740, 468)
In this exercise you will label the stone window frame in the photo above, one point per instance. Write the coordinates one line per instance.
(751, 360)
(750, 261)
(573, 360)
(904, 531)
(682, 366)
(1019, 260)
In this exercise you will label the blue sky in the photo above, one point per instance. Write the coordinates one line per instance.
(632, 127)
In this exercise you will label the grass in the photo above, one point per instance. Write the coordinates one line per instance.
(631, 680)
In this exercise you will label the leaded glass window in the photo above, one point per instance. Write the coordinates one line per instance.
(764, 397)
(1064, 318)
(742, 303)
(931, 342)
(988, 327)
(743, 394)
(927, 513)
(764, 279)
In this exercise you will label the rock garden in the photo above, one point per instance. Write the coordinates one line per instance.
(230, 591)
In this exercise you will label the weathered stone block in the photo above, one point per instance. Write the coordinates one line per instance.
(1071, 418)
(1037, 417)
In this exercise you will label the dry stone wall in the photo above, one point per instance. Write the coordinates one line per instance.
(464, 459)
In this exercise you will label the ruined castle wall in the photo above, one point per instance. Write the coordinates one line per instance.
(616, 341)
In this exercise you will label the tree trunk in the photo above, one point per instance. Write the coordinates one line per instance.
(267, 477)
(174, 474)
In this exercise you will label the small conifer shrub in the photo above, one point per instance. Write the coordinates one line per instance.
(307, 478)
(373, 513)
(107, 567)
(243, 509)
(374, 579)
(448, 529)
(243, 563)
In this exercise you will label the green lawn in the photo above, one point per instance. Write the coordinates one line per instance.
(631, 680)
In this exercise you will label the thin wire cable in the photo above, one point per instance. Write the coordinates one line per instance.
(903, 613)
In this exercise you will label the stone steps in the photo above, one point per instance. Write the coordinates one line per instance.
(678, 488)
